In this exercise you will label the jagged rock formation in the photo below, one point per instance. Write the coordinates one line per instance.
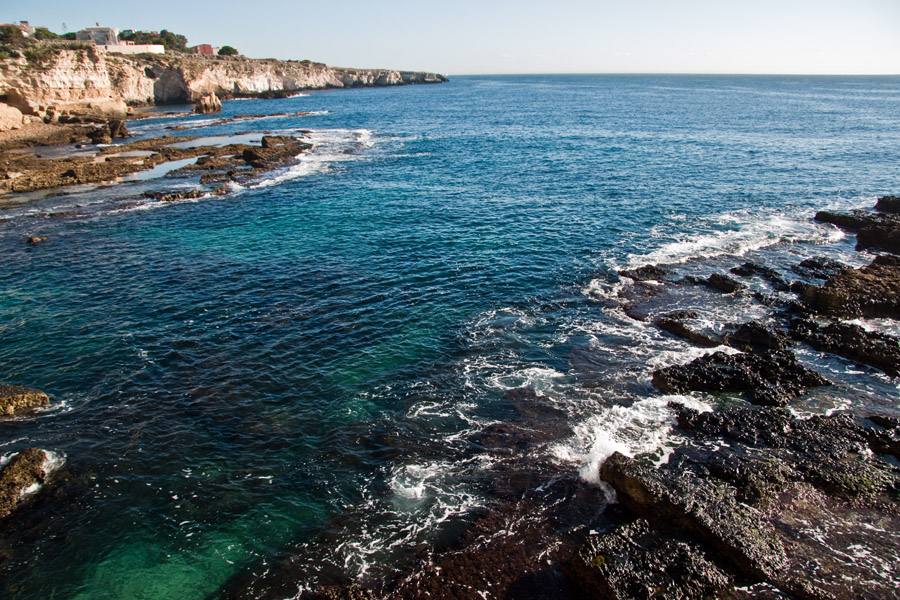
(85, 83)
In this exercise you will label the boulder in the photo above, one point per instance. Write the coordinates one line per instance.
(750, 269)
(890, 204)
(15, 399)
(23, 471)
(873, 229)
(117, 128)
(872, 291)
(771, 379)
(100, 135)
(209, 103)
(754, 336)
(10, 117)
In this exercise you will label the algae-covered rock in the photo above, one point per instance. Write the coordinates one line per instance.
(22, 472)
(15, 399)
(637, 561)
(771, 379)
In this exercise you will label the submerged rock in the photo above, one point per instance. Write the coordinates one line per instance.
(15, 399)
(819, 267)
(769, 379)
(872, 291)
(750, 269)
(351, 592)
(176, 195)
(23, 471)
(673, 323)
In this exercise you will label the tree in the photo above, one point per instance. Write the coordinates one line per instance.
(42, 33)
(228, 51)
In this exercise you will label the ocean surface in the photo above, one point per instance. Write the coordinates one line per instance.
(299, 382)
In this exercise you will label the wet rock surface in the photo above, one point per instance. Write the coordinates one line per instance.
(872, 291)
(756, 495)
(23, 471)
(879, 230)
(17, 399)
(771, 379)
(851, 341)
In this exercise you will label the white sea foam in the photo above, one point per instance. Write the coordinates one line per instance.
(642, 428)
(746, 233)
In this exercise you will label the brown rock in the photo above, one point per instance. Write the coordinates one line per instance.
(209, 103)
(23, 470)
(16, 399)
(872, 291)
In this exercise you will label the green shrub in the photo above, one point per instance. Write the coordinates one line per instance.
(228, 51)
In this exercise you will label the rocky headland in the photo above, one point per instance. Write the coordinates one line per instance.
(87, 83)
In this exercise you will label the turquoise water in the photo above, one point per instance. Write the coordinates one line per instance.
(301, 366)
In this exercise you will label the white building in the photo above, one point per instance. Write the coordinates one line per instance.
(108, 37)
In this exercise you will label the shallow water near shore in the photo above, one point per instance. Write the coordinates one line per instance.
(298, 382)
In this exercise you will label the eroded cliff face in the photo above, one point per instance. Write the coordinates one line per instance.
(75, 83)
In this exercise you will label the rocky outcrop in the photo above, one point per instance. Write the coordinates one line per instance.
(83, 83)
(755, 496)
(771, 379)
(15, 399)
(209, 103)
(873, 229)
(274, 150)
(872, 291)
(10, 118)
(23, 472)
(853, 342)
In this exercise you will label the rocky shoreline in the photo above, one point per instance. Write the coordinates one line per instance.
(758, 500)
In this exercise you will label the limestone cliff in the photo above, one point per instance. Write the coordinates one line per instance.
(75, 82)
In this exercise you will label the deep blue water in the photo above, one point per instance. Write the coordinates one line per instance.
(304, 363)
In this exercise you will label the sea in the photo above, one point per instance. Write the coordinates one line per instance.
(415, 337)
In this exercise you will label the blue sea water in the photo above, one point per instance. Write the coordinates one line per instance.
(307, 365)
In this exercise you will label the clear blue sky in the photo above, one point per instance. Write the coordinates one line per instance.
(526, 36)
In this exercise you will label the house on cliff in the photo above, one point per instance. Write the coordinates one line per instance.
(204, 50)
(108, 37)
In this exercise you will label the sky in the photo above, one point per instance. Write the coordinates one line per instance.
(527, 36)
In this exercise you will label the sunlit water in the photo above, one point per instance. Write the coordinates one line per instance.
(304, 364)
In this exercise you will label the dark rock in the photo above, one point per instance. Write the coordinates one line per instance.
(852, 220)
(637, 561)
(819, 267)
(37, 239)
(100, 135)
(890, 204)
(772, 379)
(351, 592)
(672, 324)
(15, 399)
(117, 129)
(23, 470)
(872, 291)
(829, 452)
(754, 337)
(645, 273)
(884, 235)
(749, 269)
(874, 229)
(724, 283)
(174, 196)
(274, 150)
(706, 509)
(851, 341)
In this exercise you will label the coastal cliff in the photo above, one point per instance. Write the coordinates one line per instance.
(69, 82)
